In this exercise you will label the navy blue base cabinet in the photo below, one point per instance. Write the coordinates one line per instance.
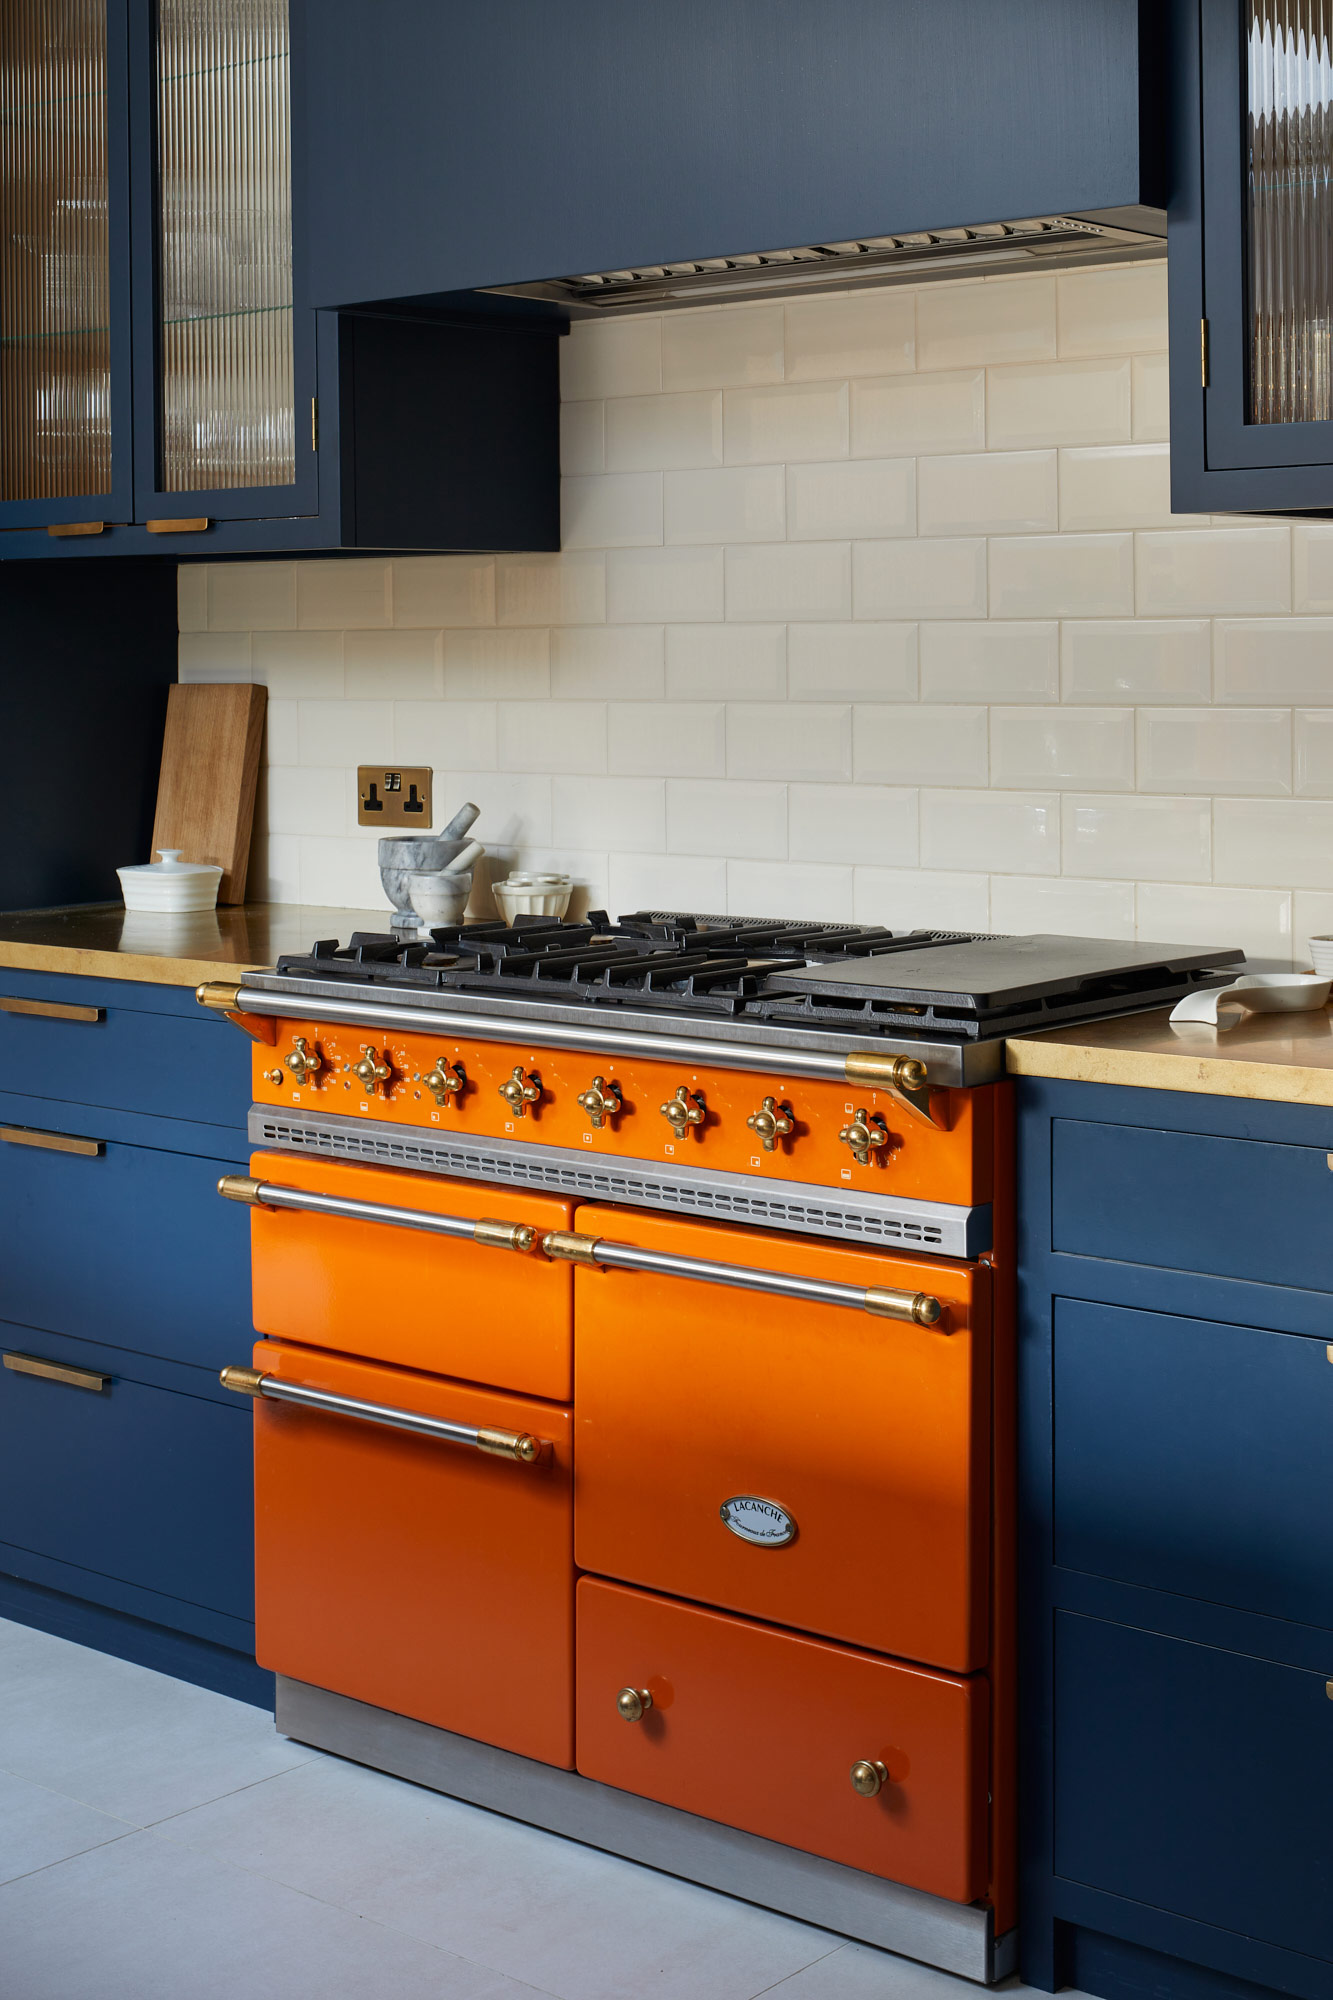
(1176, 1436)
(126, 1485)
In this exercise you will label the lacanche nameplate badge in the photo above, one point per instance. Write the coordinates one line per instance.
(762, 1522)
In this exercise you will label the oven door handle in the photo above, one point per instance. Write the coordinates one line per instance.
(518, 1445)
(493, 1234)
(921, 1308)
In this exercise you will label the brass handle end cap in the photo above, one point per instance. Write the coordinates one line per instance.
(242, 1381)
(218, 994)
(239, 1187)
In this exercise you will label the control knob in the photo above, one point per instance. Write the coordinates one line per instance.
(303, 1062)
(371, 1071)
(772, 1122)
(445, 1080)
(601, 1100)
(865, 1135)
(683, 1110)
(519, 1091)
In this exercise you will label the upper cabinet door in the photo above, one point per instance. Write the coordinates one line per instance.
(64, 265)
(1267, 93)
(224, 361)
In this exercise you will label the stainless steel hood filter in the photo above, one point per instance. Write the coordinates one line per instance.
(881, 260)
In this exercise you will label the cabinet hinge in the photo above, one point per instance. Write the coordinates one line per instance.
(1203, 353)
(314, 423)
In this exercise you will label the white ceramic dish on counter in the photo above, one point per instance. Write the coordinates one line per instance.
(532, 895)
(170, 885)
(1255, 993)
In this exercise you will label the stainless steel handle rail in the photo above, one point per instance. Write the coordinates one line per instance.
(905, 1076)
(518, 1445)
(885, 1302)
(493, 1234)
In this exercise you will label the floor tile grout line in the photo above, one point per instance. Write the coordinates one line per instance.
(236, 1792)
(787, 1977)
(55, 1792)
(27, 1874)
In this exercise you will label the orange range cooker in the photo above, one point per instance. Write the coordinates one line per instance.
(633, 1396)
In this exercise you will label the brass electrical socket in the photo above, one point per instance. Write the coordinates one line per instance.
(394, 796)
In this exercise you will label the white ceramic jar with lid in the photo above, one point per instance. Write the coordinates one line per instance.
(170, 885)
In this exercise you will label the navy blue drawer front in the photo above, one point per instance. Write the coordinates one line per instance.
(1196, 1458)
(132, 1247)
(1195, 1781)
(1193, 1201)
(132, 1482)
(173, 1065)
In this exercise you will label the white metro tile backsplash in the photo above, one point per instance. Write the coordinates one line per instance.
(870, 605)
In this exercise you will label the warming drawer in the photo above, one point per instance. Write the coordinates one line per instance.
(863, 1760)
(369, 1273)
(427, 1574)
(765, 1423)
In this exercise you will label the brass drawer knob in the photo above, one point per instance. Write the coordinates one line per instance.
(304, 1062)
(865, 1135)
(371, 1071)
(632, 1704)
(601, 1100)
(772, 1122)
(519, 1091)
(445, 1080)
(869, 1777)
(683, 1110)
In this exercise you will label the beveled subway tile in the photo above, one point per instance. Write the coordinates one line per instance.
(668, 739)
(1119, 486)
(1259, 920)
(1139, 659)
(726, 662)
(403, 665)
(624, 813)
(862, 333)
(624, 662)
(493, 665)
(1215, 750)
(667, 882)
(865, 661)
(1150, 398)
(1314, 752)
(1167, 839)
(915, 745)
(567, 589)
(611, 510)
(582, 438)
(621, 357)
(449, 735)
(1068, 402)
(1062, 576)
(809, 581)
(722, 347)
(893, 418)
(921, 899)
(875, 824)
(726, 816)
(661, 433)
(798, 420)
(1089, 747)
(1275, 843)
(987, 493)
(1062, 905)
(789, 740)
(736, 504)
(1273, 659)
(920, 579)
(1214, 571)
(249, 597)
(442, 591)
(334, 595)
(1120, 309)
(1017, 832)
(663, 586)
(222, 656)
(973, 323)
(987, 660)
(552, 735)
(797, 889)
(1312, 566)
(850, 498)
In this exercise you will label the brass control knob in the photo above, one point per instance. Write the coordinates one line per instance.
(686, 1108)
(865, 1136)
(445, 1080)
(869, 1777)
(601, 1100)
(371, 1071)
(519, 1091)
(772, 1122)
(304, 1062)
(632, 1704)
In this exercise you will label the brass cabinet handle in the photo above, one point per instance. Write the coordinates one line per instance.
(49, 1010)
(632, 1704)
(59, 528)
(772, 1122)
(52, 1142)
(571, 1247)
(490, 1232)
(520, 1446)
(869, 1777)
(195, 525)
(56, 1371)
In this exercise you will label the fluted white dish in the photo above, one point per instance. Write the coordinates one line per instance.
(170, 885)
(533, 895)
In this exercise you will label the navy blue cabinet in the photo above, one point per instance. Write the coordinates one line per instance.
(1250, 215)
(1176, 1536)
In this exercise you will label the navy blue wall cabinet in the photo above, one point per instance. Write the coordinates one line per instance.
(504, 141)
(1251, 410)
(1176, 1495)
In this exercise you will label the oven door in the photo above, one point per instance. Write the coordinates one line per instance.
(446, 1276)
(786, 1428)
(413, 1545)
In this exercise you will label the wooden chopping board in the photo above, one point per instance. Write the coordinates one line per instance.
(210, 768)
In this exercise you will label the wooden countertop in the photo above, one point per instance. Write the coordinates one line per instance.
(1284, 1057)
(104, 941)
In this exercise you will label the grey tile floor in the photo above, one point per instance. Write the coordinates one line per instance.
(158, 1842)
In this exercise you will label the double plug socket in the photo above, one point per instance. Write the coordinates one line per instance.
(394, 797)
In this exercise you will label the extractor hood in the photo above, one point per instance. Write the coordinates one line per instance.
(834, 267)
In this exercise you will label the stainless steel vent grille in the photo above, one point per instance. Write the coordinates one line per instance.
(832, 266)
(940, 1229)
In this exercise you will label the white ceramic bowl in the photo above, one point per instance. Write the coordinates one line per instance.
(533, 895)
(170, 885)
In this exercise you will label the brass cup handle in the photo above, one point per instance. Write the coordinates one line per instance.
(772, 1122)
(445, 1080)
(371, 1071)
(601, 1100)
(632, 1704)
(869, 1777)
(304, 1062)
(519, 1091)
(686, 1108)
(865, 1135)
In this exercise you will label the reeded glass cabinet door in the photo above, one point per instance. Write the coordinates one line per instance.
(64, 432)
(230, 390)
(1268, 230)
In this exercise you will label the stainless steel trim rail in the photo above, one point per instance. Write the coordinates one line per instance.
(494, 1234)
(518, 1445)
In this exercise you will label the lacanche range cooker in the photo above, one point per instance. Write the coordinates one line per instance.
(634, 1396)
